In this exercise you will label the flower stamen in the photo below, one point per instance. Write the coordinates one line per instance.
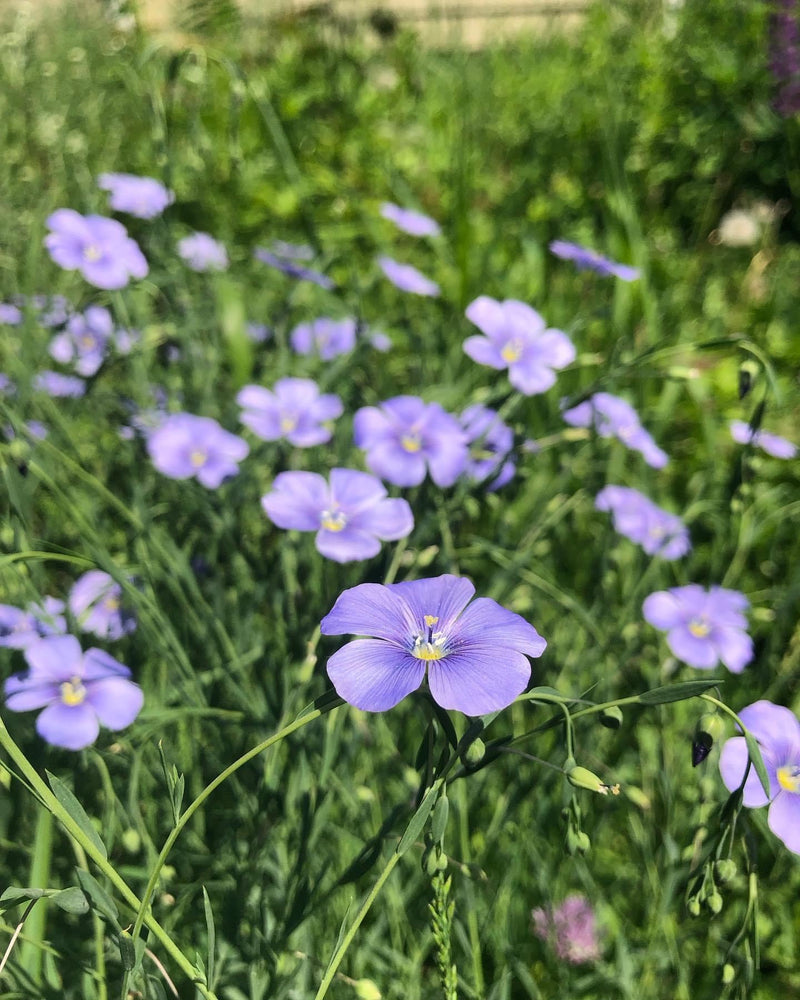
(73, 692)
(789, 777)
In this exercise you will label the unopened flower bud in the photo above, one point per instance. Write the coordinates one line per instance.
(725, 870)
(367, 990)
(577, 841)
(475, 753)
(728, 974)
(582, 777)
(714, 902)
(693, 906)
(611, 717)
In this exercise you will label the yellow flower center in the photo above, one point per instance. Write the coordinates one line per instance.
(87, 342)
(198, 458)
(699, 628)
(512, 350)
(72, 691)
(288, 424)
(411, 442)
(91, 253)
(432, 646)
(333, 520)
(789, 777)
(111, 603)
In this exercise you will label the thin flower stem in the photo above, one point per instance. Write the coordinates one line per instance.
(472, 913)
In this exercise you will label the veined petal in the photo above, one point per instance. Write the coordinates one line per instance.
(348, 545)
(369, 609)
(392, 463)
(369, 424)
(695, 650)
(24, 693)
(531, 378)
(354, 491)
(70, 726)
(389, 520)
(297, 500)
(374, 675)
(483, 678)
(784, 819)
(488, 315)
(484, 352)
(116, 701)
(485, 622)
(775, 727)
(732, 764)
(443, 597)
(55, 658)
(734, 647)
(663, 610)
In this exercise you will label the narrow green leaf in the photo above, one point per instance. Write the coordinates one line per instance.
(676, 692)
(212, 938)
(418, 820)
(439, 820)
(71, 900)
(754, 752)
(98, 897)
(76, 812)
(14, 894)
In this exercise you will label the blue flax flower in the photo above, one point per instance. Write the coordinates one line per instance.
(638, 518)
(201, 252)
(475, 656)
(778, 733)
(78, 691)
(589, 260)
(614, 417)
(95, 600)
(99, 248)
(327, 338)
(85, 340)
(351, 516)
(185, 445)
(20, 629)
(60, 386)
(411, 222)
(490, 443)
(408, 278)
(294, 410)
(144, 197)
(703, 626)
(772, 444)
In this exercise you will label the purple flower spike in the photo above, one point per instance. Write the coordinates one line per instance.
(286, 263)
(778, 733)
(184, 445)
(476, 656)
(85, 340)
(570, 929)
(351, 516)
(78, 692)
(405, 437)
(703, 626)
(408, 278)
(201, 252)
(96, 602)
(20, 629)
(143, 197)
(325, 337)
(411, 222)
(638, 518)
(490, 443)
(57, 385)
(588, 260)
(772, 444)
(516, 338)
(294, 410)
(99, 248)
(614, 417)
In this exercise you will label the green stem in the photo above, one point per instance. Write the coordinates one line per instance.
(30, 953)
(472, 913)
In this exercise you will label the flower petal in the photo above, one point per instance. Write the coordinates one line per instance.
(116, 701)
(55, 658)
(734, 647)
(443, 597)
(481, 679)
(374, 675)
(697, 651)
(784, 819)
(732, 764)
(369, 609)
(389, 520)
(663, 610)
(346, 546)
(487, 622)
(297, 500)
(70, 726)
(24, 693)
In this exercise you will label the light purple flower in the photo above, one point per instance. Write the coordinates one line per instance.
(78, 691)
(380, 341)
(778, 733)
(294, 410)
(98, 247)
(19, 629)
(144, 197)
(490, 442)
(35, 428)
(85, 340)
(201, 252)
(54, 310)
(125, 340)
(570, 929)
(516, 337)
(408, 278)
(476, 656)
(286, 263)
(7, 385)
(95, 600)
(327, 338)
(772, 444)
(258, 332)
(638, 518)
(703, 626)
(411, 222)
(614, 417)
(185, 445)
(351, 516)
(10, 315)
(405, 437)
(588, 260)
(57, 385)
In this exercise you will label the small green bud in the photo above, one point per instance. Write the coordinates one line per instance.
(693, 906)
(131, 840)
(430, 861)
(714, 902)
(367, 990)
(582, 777)
(475, 753)
(577, 841)
(725, 870)
(728, 974)
(611, 717)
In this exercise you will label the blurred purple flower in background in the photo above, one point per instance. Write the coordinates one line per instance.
(95, 600)
(636, 517)
(7, 386)
(328, 338)
(784, 55)
(404, 437)
(98, 247)
(78, 691)
(201, 252)
(490, 442)
(772, 444)
(185, 445)
(408, 278)
(703, 626)
(144, 197)
(53, 310)
(293, 409)
(10, 315)
(570, 929)
(588, 260)
(284, 257)
(351, 516)
(411, 222)
(778, 733)
(475, 656)
(35, 428)
(57, 385)
(85, 340)
(19, 629)
(258, 332)
(614, 417)
(516, 338)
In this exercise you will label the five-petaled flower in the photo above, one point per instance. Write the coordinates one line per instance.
(772, 444)
(327, 338)
(85, 340)
(95, 600)
(778, 733)
(407, 278)
(351, 516)
(405, 437)
(144, 197)
(636, 517)
(293, 409)
(20, 629)
(411, 222)
(703, 627)
(589, 260)
(516, 337)
(185, 445)
(490, 442)
(614, 417)
(98, 247)
(475, 655)
(201, 252)
(78, 691)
